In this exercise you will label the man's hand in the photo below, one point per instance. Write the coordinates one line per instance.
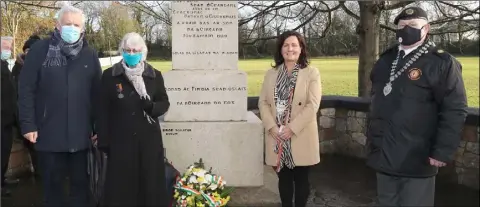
(286, 133)
(436, 163)
(31, 136)
(274, 132)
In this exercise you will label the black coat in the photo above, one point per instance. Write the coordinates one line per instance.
(8, 96)
(422, 117)
(58, 101)
(134, 146)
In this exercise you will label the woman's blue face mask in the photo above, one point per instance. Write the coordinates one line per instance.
(132, 59)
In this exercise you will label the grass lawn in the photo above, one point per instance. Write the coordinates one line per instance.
(339, 75)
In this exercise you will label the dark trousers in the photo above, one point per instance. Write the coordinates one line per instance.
(294, 182)
(402, 191)
(55, 167)
(7, 140)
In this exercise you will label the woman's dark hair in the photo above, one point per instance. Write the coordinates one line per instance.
(302, 59)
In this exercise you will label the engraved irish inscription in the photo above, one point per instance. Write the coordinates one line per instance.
(208, 96)
(204, 35)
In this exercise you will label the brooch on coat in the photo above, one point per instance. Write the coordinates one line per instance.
(120, 90)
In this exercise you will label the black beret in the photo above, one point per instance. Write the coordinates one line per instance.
(411, 13)
(30, 42)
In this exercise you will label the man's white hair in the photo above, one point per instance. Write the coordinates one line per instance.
(134, 40)
(70, 9)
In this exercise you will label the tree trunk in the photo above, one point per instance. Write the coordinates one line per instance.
(368, 31)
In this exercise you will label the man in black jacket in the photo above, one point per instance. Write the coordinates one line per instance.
(57, 89)
(8, 108)
(417, 113)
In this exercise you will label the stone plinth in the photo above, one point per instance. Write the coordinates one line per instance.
(233, 149)
(204, 35)
(208, 115)
(206, 95)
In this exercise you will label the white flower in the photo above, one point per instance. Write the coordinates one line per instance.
(208, 178)
(192, 179)
(200, 173)
(213, 187)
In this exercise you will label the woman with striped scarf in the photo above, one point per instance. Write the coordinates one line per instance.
(289, 101)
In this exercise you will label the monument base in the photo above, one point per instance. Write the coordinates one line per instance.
(234, 150)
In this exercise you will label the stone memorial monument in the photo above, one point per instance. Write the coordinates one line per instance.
(208, 115)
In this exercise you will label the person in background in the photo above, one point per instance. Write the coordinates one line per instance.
(288, 103)
(8, 108)
(15, 73)
(19, 60)
(416, 116)
(58, 89)
(133, 97)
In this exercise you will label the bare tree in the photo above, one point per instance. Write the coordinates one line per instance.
(261, 21)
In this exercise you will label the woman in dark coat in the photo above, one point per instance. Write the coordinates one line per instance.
(133, 97)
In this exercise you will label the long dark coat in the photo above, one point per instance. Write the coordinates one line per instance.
(135, 169)
(59, 101)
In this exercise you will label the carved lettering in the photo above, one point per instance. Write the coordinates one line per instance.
(174, 89)
(208, 89)
(175, 132)
(206, 33)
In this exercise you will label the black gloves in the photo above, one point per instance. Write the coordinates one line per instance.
(147, 105)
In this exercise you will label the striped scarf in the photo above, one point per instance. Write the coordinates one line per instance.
(58, 50)
(134, 74)
(283, 95)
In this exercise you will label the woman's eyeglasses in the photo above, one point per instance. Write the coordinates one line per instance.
(132, 50)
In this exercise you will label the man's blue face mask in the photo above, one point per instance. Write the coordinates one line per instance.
(6, 54)
(70, 33)
(132, 59)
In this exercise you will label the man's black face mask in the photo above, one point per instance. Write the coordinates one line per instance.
(409, 35)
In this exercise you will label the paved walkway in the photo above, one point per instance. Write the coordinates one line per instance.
(337, 181)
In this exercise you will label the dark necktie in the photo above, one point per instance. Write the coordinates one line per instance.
(402, 54)
(401, 60)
